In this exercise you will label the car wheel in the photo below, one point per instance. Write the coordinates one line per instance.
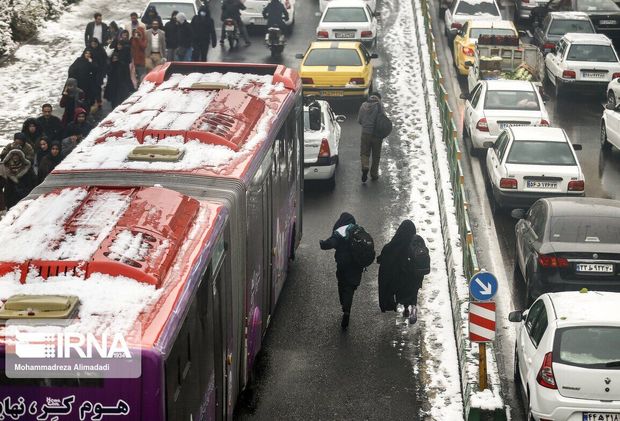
(558, 89)
(468, 143)
(517, 374)
(604, 143)
(611, 99)
(529, 296)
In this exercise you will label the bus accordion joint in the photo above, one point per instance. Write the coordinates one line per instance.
(156, 153)
(25, 306)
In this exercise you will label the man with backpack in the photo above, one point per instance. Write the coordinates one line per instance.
(354, 251)
(403, 262)
(375, 127)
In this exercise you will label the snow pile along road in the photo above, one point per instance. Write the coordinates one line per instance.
(405, 96)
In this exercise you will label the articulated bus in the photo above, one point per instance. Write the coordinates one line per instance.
(198, 177)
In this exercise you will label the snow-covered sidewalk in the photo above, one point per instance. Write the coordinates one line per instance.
(438, 360)
(49, 56)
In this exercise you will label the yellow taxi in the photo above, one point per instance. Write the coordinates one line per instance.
(465, 40)
(332, 69)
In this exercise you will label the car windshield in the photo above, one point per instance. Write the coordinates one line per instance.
(476, 8)
(345, 14)
(584, 229)
(588, 346)
(597, 6)
(165, 9)
(540, 153)
(476, 32)
(596, 53)
(333, 57)
(511, 100)
(561, 27)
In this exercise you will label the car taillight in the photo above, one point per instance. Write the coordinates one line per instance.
(357, 81)
(324, 151)
(366, 34)
(525, 1)
(482, 125)
(551, 261)
(548, 45)
(576, 185)
(287, 4)
(545, 376)
(468, 51)
(569, 74)
(544, 122)
(307, 80)
(615, 75)
(456, 25)
(322, 34)
(507, 183)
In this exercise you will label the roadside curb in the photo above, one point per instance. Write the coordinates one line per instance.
(459, 246)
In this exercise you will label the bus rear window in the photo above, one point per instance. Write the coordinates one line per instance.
(588, 347)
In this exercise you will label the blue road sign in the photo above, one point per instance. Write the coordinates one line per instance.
(483, 286)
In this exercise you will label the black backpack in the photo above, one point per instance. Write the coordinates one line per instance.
(362, 246)
(419, 257)
(383, 125)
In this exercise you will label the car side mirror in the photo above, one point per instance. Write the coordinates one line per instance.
(341, 118)
(515, 316)
(518, 213)
(376, 14)
(545, 97)
(611, 107)
(374, 55)
(459, 32)
(464, 96)
(522, 33)
(577, 146)
(488, 144)
(468, 63)
(299, 56)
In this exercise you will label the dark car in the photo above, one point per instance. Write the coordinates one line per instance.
(604, 14)
(556, 24)
(565, 244)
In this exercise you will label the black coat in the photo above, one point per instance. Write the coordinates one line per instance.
(32, 138)
(119, 85)
(47, 165)
(339, 240)
(85, 73)
(276, 14)
(51, 127)
(203, 30)
(172, 35)
(397, 284)
(231, 9)
(100, 58)
(185, 36)
(90, 28)
(148, 20)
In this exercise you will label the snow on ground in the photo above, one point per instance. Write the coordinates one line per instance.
(407, 109)
(49, 56)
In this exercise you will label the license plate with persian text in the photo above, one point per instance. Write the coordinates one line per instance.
(535, 184)
(600, 416)
(595, 267)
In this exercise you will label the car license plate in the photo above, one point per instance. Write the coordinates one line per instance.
(547, 185)
(260, 21)
(607, 22)
(600, 416)
(595, 267)
(344, 34)
(502, 126)
(594, 75)
(332, 93)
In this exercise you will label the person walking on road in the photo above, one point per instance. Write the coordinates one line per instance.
(19, 142)
(151, 16)
(184, 49)
(84, 71)
(231, 9)
(171, 29)
(19, 178)
(119, 85)
(203, 30)
(134, 23)
(50, 125)
(348, 271)
(97, 29)
(138, 53)
(155, 46)
(72, 98)
(370, 144)
(402, 265)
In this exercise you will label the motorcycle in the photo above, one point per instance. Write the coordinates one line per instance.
(274, 39)
(231, 32)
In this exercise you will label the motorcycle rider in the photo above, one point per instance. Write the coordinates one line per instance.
(231, 9)
(276, 14)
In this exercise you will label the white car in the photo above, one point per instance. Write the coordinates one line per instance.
(582, 60)
(253, 13)
(567, 356)
(321, 141)
(371, 3)
(496, 104)
(463, 10)
(610, 127)
(348, 20)
(525, 164)
(166, 7)
(613, 92)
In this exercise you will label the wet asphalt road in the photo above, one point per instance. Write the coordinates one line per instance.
(579, 115)
(309, 369)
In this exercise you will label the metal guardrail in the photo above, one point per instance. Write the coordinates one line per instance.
(459, 297)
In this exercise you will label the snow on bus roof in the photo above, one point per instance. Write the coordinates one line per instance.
(216, 119)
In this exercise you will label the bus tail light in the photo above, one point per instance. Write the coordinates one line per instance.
(482, 125)
(576, 185)
(324, 151)
(508, 183)
(545, 376)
